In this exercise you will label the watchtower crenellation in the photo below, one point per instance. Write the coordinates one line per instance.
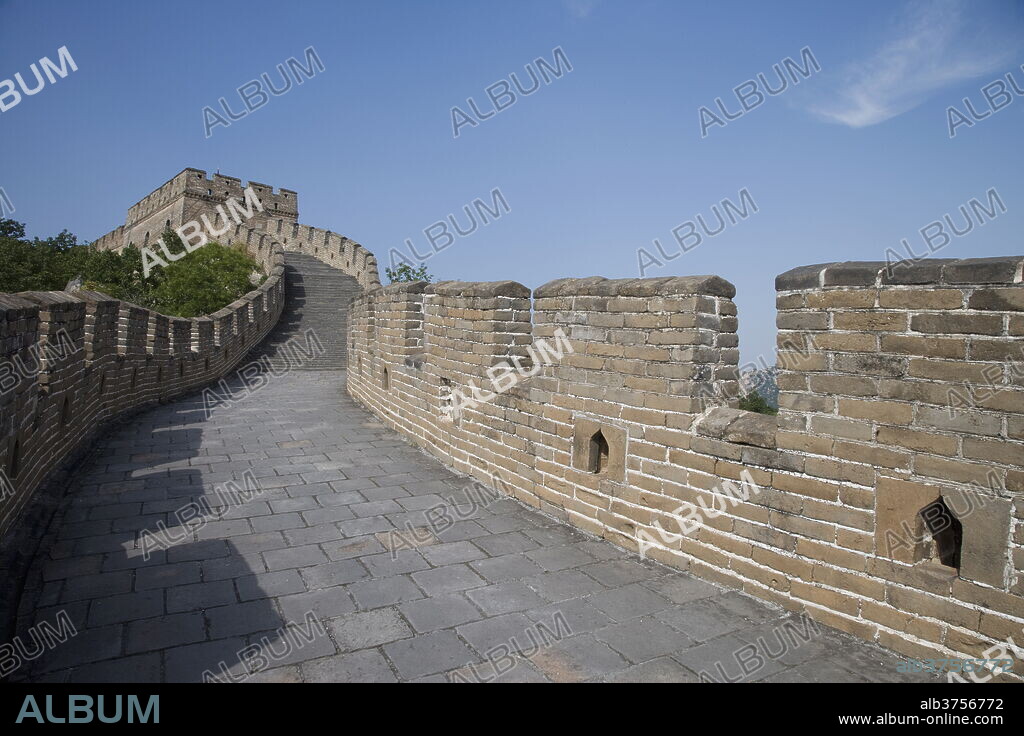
(190, 195)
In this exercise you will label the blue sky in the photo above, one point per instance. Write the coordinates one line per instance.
(593, 166)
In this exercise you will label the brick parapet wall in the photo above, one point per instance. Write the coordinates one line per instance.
(335, 250)
(76, 360)
(816, 509)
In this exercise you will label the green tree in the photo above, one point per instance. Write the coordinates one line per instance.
(405, 272)
(11, 229)
(755, 402)
(205, 281)
(201, 283)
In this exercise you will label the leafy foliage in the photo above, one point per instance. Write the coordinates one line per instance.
(405, 272)
(205, 281)
(757, 403)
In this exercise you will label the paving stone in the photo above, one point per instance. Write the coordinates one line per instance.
(370, 629)
(165, 631)
(428, 654)
(72, 567)
(505, 598)
(662, 669)
(681, 588)
(578, 659)
(97, 586)
(329, 574)
(702, 619)
(563, 585)
(463, 530)
(728, 659)
(578, 615)
(380, 592)
(269, 585)
(440, 612)
(243, 618)
(283, 559)
(199, 551)
(619, 572)
(200, 595)
(166, 576)
(286, 674)
(503, 669)
(749, 607)
(503, 544)
(141, 668)
(452, 552)
(367, 666)
(278, 522)
(234, 566)
(312, 534)
(344, 549)
(326, 603)
(388, 564)
(559, 558)
(91, 645)
(512, 632)
(628, 602)
(126, 607)
(506, 567)
(292, 643)
(642, 639)
(449, 579)
(221, 658)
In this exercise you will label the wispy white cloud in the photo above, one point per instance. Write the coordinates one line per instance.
(936, 44)
(581, 8)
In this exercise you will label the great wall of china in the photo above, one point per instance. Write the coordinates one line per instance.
(901, 402)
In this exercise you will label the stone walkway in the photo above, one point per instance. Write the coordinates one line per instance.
(298, 580)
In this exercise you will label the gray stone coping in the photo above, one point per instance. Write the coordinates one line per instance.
(929, 271)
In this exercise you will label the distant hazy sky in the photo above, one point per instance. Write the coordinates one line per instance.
(594, 165)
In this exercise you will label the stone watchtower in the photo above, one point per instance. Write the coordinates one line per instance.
(191, 195)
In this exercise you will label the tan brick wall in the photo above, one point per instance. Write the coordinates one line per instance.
(864, 439)
(106, 357)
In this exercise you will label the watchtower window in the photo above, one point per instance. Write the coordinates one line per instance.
(598, 455)
(209, 192)
(386, 380)
(947, 533)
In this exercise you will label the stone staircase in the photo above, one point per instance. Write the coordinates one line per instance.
(317, 298)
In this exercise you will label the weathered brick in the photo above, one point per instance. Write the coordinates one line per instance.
(1000, 300)
(933, 347)
(957, 324)
(871, 321)
(885, 412)
(921, 299)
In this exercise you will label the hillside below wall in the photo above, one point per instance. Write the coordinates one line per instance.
(901, 401)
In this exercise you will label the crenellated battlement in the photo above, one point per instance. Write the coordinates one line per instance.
(886, 499)
(71, 362)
